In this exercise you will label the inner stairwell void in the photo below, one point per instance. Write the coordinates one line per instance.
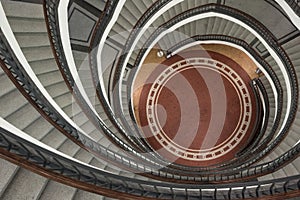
(152, 99)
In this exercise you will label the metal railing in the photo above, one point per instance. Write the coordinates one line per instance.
(295, 5)
(263, 122)
(51, 7)
(34, 96)
(188, 169)
(94, 65)
(209, 8)
(83, 176)
(32, 93)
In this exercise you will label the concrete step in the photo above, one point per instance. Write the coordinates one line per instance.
(132, 7)
(26, 38)
(28, 25)
(44, 66)
(11, 101)
(19, 189)
(7, 173)
(129, 15)
(63, 100)
(84, 195)
(55, 89)
(294, 43)
(119, 37)
(57, 191)
(210, 24)
(291, 170)
(53, 78)
(296, 164)
(6, 85)
(97, 4)
(38, 128)
(19, 9)
(24, 116)
(54, 138)
(125, 23)
(37, 53)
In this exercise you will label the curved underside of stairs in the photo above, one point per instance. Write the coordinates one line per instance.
(166, 99)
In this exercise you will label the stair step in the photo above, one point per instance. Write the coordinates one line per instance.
(44, 66)
(97, 4)
(290, 170)
(11, 101)
(296, 163)
(19, 9)
(57, 191)
(84, 195)
(131, 17)
(56, 89)
(37, 53)
(69, 148)
(7, 172)
(53, 78)
(64, 99)
(6, 85)
(133, 8)
(25, 39)
(54, 138)
(38, 128)
(23, 116)
(27, 25)
(19, 187)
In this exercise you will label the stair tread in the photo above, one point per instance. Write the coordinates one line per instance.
(61, 191)
(19, 9)
(7, 173)
(27, 25)
(11, 101)
(26, 39)
(84, 195)
(19, 187)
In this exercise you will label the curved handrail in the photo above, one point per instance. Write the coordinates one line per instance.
(274, 128)
(263, 126)
(295, 5)
(33, 95)
(29, 90)
(51, 15)
(204, 8)
(72, 172)
(28, 86)
(93, 65)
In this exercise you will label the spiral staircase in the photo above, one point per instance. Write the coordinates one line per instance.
(70, 128)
